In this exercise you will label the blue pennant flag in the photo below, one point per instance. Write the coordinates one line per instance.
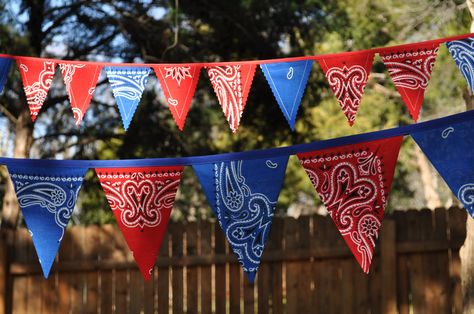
(46, 197)
(243, 195)
(288, 81)
(128, 84)
(462, 52)
(5, 64)
(450, 150)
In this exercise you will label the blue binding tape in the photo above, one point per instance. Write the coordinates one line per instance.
(253, 154)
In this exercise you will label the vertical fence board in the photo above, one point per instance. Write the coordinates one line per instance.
(192, 291)
(292, 268)
(108, 236)
(20, 285)
(91, 253)
(234, 286)
(388, 259)
(34, 292)
(121, 276)
(205, 246)
(276, 268)
(457, 233)
(164, 276)
(177, 249)
(220, 271)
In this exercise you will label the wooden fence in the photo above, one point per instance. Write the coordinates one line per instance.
(306, 268)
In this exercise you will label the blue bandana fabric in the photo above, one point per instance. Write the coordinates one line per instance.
(5, 64)
(288, 82)
(243, 195)
(462, 52)
(449, 148)
(47, 197)
(128, 84)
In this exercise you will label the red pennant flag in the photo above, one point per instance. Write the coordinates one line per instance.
(37, 76)
(231, 84)
(354, 182)
(141, 200)
(410, 70)
(178, 84)
(80, 80)
(347, 74)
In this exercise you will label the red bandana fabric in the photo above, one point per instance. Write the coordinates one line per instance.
(348, 78)
(231, 84)
(141, 200)
(37, 76)
(353, 182)
(80, 80)
(410, 70)
(178, 84)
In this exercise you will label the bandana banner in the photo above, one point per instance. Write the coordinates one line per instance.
(347, 75)
(47, 197)
(128, 84)
(37, 76)
(354, 182)
(178, 84)
(231, 84)
(243, 195)
(462, 52)
(450, 150)
(141, 200)
(288, 82)
(410, 70)
(5, 64)
(80, 80)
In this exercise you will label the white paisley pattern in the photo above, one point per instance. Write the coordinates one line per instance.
(140, 196)
(411, 69)
(128, 83)
(178, 73)
(466, 196)
(462, 52)
(245, 216)
(37, 91)
(348, 85)
(56, 194)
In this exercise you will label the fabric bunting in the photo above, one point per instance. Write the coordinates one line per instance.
(178, 84)
(128, 84)
(288, 82)
(243, 195)
(450, 150)
(47, 197)
(141, 200)
(5, 64)
(410, 70)
(347, 75)
(37, 76)
(231, 84)
(462, 52)
(354, 182)
(80, 80)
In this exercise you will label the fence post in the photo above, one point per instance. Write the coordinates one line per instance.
(3, 272)
(388, 267)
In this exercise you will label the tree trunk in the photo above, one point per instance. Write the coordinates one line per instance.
(428, 180)
(22, 146)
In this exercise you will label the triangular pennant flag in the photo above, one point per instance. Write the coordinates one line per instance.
(243, 195)
(347, 75)
(37, 76)
(288, 81)
(462, 52)
(141, 200)
(410, 70)
(47, 197)
(5, 64)
(128, 84)
(178, 84)
(449, 148)
(80, 80)
(231, 84)
(354, 182)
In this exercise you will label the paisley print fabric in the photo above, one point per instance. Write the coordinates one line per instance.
(288, 82)
(141, 200)
(462, 52)
(128, 84)
(80, 80)
(410, 70)
(37, 76)
(5, 65)
(353, 182)
(178, 84)
(243, 196)
(47, 197)
(449, 148)
(348, 78)
(231, 84)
